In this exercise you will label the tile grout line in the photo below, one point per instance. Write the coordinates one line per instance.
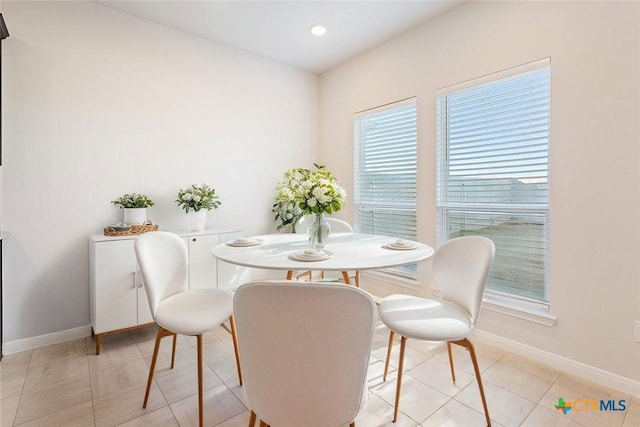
(26, 374)
(93, 405)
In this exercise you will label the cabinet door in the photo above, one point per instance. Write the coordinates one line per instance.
(230, 276)
(115, 291)
(203, 270)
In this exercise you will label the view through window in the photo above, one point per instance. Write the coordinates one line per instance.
(385, 172)
(493, 178)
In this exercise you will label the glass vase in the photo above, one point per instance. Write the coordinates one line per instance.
(319, 231)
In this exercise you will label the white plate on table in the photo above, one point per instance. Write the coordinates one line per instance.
(400, 245)
(244, 242)
(311, 255)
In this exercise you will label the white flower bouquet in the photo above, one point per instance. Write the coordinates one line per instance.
(197, 198)
(302, 192)
(319, 192)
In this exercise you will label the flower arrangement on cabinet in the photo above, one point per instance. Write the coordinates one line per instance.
(303, 192)
(197, 198)
(133, 200)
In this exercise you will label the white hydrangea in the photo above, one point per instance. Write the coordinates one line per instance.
(319, 192)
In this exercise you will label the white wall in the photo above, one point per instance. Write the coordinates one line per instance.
(96, 104)
(595, 184)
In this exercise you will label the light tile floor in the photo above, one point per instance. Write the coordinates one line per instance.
(68, 385)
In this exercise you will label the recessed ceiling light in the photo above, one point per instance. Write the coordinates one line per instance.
(318, 30)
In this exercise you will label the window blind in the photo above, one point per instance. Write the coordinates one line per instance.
(493, 148)
(385, 170)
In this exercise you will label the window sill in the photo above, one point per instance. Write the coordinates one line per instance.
(539, 316)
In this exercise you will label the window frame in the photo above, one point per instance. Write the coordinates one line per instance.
(505, 302)
(405, 272)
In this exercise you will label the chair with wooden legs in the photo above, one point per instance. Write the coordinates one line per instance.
(304, 350)
(460, 267)
(162, 258)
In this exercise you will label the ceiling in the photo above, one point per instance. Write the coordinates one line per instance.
(280, 29)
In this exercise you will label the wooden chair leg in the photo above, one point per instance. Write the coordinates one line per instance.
(345, 278)
(162, 332)
(173, 350)
(234, 336)
(476, 368)
(252, 419)
(353, 424)
(453, 372)
(263, 424)
(403, 343)
(289, 274)
(386, 362)
(357, 279)
(308, 274)
(200, 381)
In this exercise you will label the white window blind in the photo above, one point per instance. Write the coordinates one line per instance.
(493, 148)
(385, 170)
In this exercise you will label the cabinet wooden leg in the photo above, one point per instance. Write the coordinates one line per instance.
(98, 343)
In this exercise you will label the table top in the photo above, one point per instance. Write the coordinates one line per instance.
(350, 251)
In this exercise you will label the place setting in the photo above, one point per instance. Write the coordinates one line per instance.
(311, 255)
(400, 245)
(242, 242)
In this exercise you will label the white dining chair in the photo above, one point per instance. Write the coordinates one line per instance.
(162, 257)
(340, 226)
(304, 350)
(460, 267)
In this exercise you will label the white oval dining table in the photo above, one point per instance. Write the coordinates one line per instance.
(349, 252)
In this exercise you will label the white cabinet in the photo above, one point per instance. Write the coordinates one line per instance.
(117, 298)
(204, 272)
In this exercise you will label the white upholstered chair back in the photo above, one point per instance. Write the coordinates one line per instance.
(339, 226)
(163, 263)
(304, 350)
(461, 267)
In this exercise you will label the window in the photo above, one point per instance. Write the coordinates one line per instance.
(385, 172)
(493, 180)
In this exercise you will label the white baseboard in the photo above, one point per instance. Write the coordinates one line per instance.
(25, 344)
(596, 375)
